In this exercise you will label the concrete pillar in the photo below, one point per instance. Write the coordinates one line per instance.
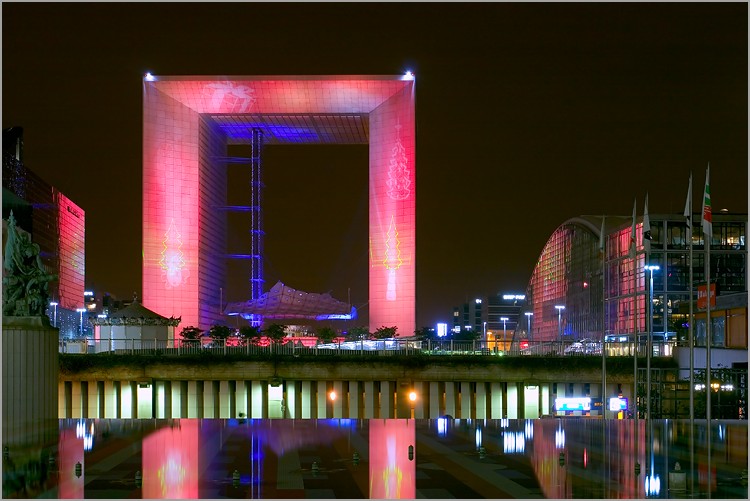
(240, 398)
(341, 400)
(77, 400)
(110, 402)
(256, 400)
(496, 400)
(194, 397)
(93, 400)
(159, 399)
(306, 400)
(127, 399)
(225, 397)
(465, 396)
(322, 400)
(480, 408)
(144, 398)
(511, 400)
(355, 397)
(544, 399)
(369, 398)
(422, 402)
(290, 400)
(386, 400)
(450, 399)
(435, 399)
(208, 400)
(531, 401)
(175, 400)
(61, 401)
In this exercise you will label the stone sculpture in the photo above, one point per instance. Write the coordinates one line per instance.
(25, 280)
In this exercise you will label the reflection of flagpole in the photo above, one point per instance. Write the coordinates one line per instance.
(707, 233)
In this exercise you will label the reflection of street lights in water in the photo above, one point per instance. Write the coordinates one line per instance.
(560, 308)
(504, 319)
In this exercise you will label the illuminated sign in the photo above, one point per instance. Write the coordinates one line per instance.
(573, 404)
(618, 404)
(514, 296)
(442, 330)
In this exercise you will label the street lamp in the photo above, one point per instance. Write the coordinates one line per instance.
(560, 308)
(54, 305)
(651, 268)
(528, 324)
(505, 346)
(80, 312)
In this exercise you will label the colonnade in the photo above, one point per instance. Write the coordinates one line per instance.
(305, 399)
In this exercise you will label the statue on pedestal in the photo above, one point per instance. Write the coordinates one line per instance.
(25, 280)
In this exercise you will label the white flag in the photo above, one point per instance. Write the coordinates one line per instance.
(646, 225)
(632, 234)
(707, 227)
(688, 206)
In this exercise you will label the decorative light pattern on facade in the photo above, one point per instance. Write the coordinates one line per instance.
(398, 174)
(172, 261)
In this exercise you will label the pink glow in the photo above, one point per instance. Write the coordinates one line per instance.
(392, 473)
(170, 462)
(70, 452)
(180, 249)
(72, 231)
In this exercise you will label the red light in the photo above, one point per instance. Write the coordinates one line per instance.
(524, 344)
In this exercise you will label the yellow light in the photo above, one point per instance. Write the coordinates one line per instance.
(412, 396)
(332, 395)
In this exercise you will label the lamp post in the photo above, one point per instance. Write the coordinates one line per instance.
(80, 312)
(560, 308)
(54, 305)
(528, 324)
(505, 346)
(651, 268)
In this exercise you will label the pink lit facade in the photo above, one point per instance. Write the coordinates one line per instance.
(71, 226)
(188, 123)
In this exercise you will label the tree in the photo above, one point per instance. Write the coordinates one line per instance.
(425, 333)
(276, 332)
(191, 335)
(219, 333)
(358, 333)
(385, 332)
(249, 334)
(325, 334)
(466, 335)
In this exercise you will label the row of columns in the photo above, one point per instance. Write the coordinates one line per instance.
(310, 399)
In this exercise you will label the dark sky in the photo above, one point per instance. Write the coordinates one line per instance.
(527, 115)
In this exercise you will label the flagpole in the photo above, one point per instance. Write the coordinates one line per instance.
(603, 253)
(634, 255)
(689, 214)
(646, 236)
(707, 231)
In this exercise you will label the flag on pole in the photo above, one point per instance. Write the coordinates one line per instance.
(707, 227)
(646, 225)
(601, 239)
(688, 206)
(632, 233)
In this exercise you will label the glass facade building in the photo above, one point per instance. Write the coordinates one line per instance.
(579, 272)
(188, 123)
(55, 223)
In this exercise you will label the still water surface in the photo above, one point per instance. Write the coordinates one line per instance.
(384, 459)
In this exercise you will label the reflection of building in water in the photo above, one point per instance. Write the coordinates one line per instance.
(392, 462)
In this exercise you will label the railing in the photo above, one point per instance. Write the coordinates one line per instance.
(365, 347)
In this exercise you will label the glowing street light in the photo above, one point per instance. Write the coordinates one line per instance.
(560, 308)
(528, 324)
(332, 396)
(54, 305)
(503, 320)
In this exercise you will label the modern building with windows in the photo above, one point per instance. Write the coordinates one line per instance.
(55, 223)
(577, 274)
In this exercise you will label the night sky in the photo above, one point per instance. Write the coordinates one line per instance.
(527, 115)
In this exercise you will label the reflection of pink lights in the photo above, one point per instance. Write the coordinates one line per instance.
(392, 474)
(170, 462)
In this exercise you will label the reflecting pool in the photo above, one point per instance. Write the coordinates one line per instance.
(381, 459)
